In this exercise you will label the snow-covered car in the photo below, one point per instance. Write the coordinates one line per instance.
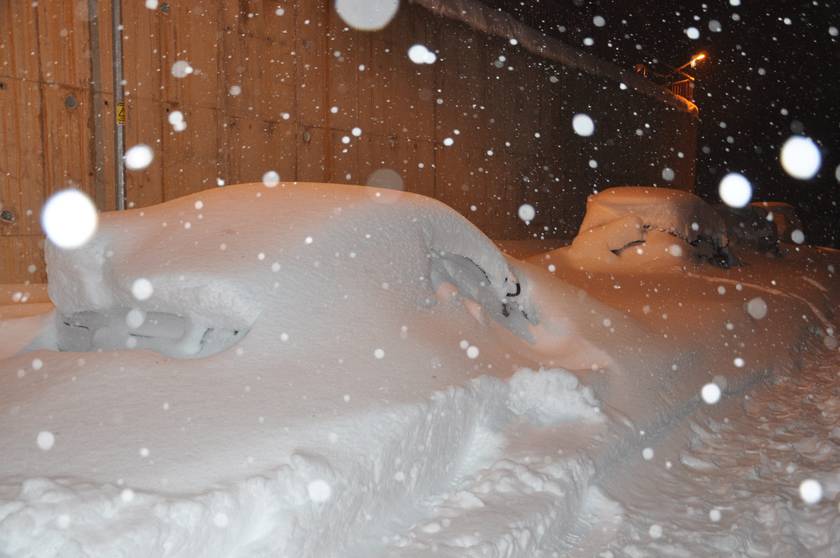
(316, 370)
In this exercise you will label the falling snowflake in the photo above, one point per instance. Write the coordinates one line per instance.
(69, 219)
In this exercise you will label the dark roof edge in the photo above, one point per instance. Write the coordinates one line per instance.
(493, 22)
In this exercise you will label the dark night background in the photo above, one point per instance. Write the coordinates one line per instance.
(773, 71)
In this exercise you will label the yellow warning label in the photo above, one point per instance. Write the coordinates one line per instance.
(120, 114)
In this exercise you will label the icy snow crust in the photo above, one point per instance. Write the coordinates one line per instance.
(301, 384)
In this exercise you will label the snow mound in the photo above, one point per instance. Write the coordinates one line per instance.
(551, 396)
(201, 290)
(657, 224)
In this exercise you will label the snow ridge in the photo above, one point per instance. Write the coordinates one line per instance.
(311, 506)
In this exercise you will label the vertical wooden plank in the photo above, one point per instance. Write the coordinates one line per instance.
(22, 259)
(258, 61)
(18, 40)
(64, 43)
(191, 32)
(67, 155)
(21, 156)
(411, 159)
(143, 68)
(261, 76)
(104, 60)
(398, 95)
(191, 159)
(459, 181)
(344, 161)
(313, 150)
(144, 124)
(257, 146)
(346, 52)
(311, 47)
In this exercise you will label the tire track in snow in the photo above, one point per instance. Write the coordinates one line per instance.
(829, 327)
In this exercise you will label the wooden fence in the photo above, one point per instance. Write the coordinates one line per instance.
(281, 85)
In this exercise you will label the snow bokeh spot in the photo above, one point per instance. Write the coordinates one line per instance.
(420, 54)
(385, 178)
(69, 219)
(647, 454)
(176, 120)
(668, 174)
(801, 157)
(142, 288)
(472, 352)
(527, 212)
(797, 236)
(181, 69)
(810, 491)
(367, 15)
(45, 440)
(135, 318)
(710, 393)
(139, 157)
(692, 33)
(583, 125)
(735, 190)
(271, 179)
(757, 308)
(379, 354)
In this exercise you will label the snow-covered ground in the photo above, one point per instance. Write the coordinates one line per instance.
(318, 370)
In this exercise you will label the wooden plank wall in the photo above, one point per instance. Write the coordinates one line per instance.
(280, 85)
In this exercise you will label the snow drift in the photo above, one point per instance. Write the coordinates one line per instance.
(319, 370)
(668, 222)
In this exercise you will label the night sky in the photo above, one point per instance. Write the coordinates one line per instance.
(773, 71)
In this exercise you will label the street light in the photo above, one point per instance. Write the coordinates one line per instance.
(693, 62)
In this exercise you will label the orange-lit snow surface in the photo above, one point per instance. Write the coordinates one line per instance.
(330, 370)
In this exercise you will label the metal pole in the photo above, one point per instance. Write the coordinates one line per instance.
(119, 105)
